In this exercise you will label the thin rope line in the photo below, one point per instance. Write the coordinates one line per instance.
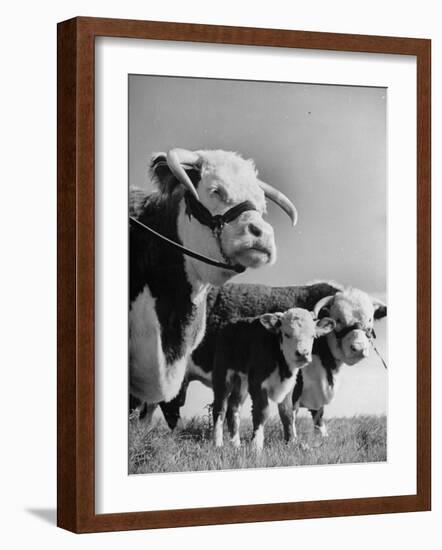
(379, 355)
(188, 252)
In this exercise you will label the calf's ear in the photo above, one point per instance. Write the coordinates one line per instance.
(271, 321)
(324, 326)
(380, 309)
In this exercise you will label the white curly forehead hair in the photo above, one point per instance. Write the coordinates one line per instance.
(238, 176)
(297, 315)
(297, 320)
(354, 305)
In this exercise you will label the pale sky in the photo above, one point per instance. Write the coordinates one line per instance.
(324, 147)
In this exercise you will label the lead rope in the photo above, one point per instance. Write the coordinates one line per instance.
(371, 336)
(379, 355)
(184, 250)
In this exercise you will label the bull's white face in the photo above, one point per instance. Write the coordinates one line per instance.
(227, 180)
(352, 308)
(297, 330)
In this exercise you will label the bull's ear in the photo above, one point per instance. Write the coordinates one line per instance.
(137, 200)
(162, 176)
(380, 309)
(271, 321)
(324, 326)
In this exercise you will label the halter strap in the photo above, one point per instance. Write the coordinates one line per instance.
(370, 333)
(187, 251)
(197, 209)
(216, 223)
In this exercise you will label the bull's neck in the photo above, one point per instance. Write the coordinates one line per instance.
(202, 240)
(179, 293)
(154, 262)
(334, 349)
(322, 347)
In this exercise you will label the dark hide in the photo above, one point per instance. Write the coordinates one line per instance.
(238, 301)
(161, 267)
(246, 347)
(380, 312)
(321, 349)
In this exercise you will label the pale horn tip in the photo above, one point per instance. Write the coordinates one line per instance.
(281, 200)
(174, 159)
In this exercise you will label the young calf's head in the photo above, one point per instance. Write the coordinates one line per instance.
(297, 329)
(354, 313)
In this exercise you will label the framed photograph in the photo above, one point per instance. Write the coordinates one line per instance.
(243, 275)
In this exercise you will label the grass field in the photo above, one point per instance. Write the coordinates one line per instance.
(351, 440)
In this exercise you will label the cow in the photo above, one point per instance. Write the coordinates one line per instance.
(232, 302)
(260, 356)
(354, 313)
(201, 226)
(236, 301)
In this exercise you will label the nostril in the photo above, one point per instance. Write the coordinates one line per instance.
(254, 230)
(357, 348)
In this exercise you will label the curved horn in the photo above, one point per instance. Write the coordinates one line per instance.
(175, 159)
(281, 200)
(322, 303)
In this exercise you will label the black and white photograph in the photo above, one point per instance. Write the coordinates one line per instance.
(257, 319)
(221, 250)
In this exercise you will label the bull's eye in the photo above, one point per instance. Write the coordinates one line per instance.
(219, 193)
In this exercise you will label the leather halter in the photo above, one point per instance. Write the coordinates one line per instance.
(369, 332)
(197, 209)
(216, 223)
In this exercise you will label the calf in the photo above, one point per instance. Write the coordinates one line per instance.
(203, 224)
(354, 313)
(228, 304)
(260, 356)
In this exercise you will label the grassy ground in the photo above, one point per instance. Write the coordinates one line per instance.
(357, 439)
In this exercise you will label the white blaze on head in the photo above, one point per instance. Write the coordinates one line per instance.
(354, 308)
(227, 180)
(221, 180)
(231, 178)
(297, 330)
